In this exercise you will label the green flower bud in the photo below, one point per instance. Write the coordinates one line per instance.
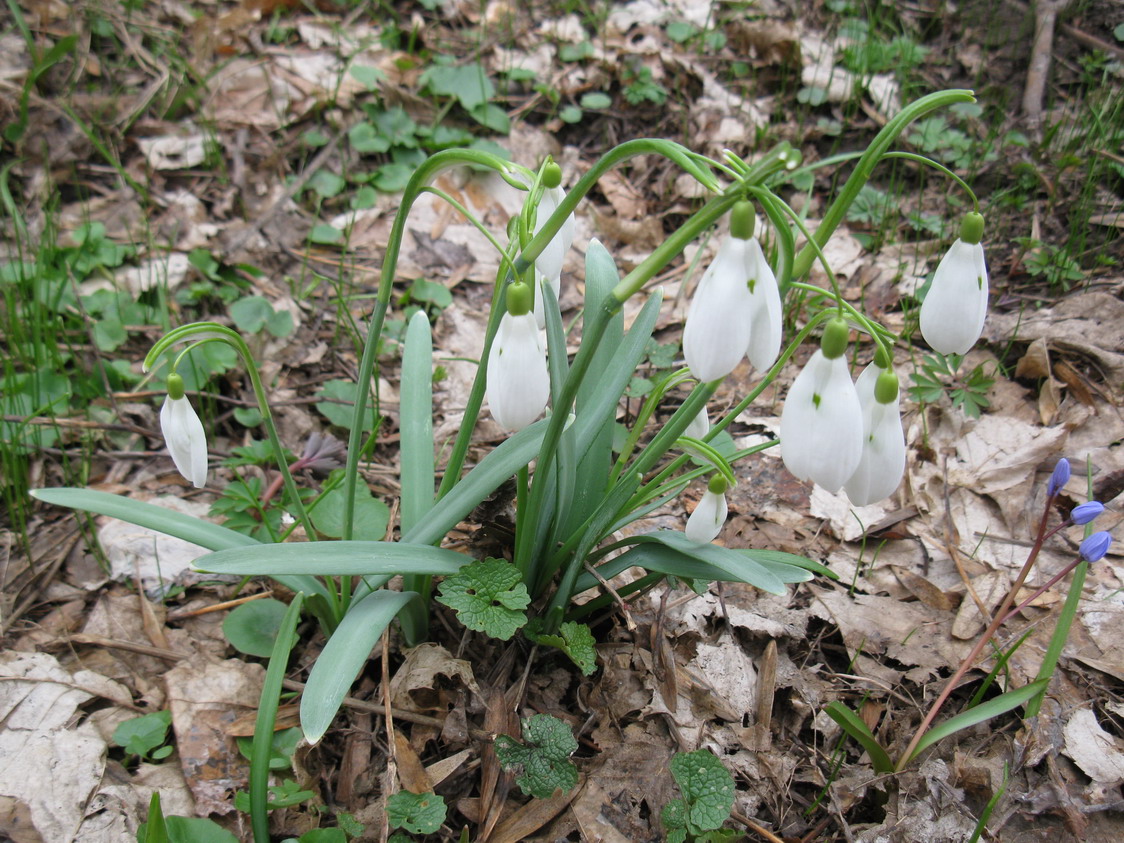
(717, 484)
(972, 228)
(175, 386)
(551, 175)
(836, 338)
(886, 388)
(882, 358)
(741, 220)
(520, 298)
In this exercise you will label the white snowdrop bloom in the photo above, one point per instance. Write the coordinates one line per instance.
(518, 381)
(766, 317)
(822, 420)
(705, 523)
(183, 432)
(718, 327)
(953, 313)
(550, 260)
(699, 426)
(883, 457)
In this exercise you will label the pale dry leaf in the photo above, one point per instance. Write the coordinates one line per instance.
(174, 152)
(1098, 754)
(415, 686)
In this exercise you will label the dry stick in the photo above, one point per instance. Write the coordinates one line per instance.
(629, 622)
(217, 607)
(754, 827)
(1045, 16)
(967, 664)
(391, 786)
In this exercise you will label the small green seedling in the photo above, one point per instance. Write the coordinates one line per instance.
(285, 795)
(283, 746)
(418, 813)
(145, 736)
(161, 829)
(545, 759)
(708, 798)
(938, 376)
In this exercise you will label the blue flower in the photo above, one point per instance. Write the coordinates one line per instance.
(1083, 513)
(1059, 478)
(1095, 546)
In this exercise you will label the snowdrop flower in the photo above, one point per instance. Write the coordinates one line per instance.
(882, 463)
(187, 443)
(952, 315)
(822, 419)
(518, 384)
(699, 426)
(705, 523)
(736, 309)
(548, 264)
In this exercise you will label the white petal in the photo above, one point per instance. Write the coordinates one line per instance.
(718, 322)
(540, 302)
(187, 442)
(699, 426)
(550, 261)
(518, 382)
(705, 523)
(882, 464)
(953, 313)
(822, 424)
(765, 334)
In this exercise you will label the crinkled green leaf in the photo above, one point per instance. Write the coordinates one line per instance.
(418, 813)
(488, 596)
(674, 820)
(545, 758)
(707, 788)
(573, 639)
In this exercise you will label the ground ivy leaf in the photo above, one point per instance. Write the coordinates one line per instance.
(488, 596)
(573, 639)
(545, 758)
(418, 813)
(707, 787)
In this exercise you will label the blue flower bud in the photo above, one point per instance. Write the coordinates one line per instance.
(1083, 513)
(1095, 546)
(1059, 478)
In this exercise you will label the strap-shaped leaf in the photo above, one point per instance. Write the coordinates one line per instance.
(344, 656)
(984, 711)
(739, 565)
(416, 422)
(853, 725)
(352, 558)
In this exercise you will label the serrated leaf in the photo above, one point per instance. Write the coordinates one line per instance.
(573, 639)
(487, 596)
(418, 813)
(707, 788)
(545, 758)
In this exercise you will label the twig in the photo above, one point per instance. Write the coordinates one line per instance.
(629, 622)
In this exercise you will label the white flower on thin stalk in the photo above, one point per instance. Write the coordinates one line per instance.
(549, 263)
(882, 463)
(765, 311)
(184, 434)
(953, 313)
(518, 384)
(706, 522)
(822, 419)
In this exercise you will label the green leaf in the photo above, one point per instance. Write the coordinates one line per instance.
(707, 788)
(325, 235)
(251, 313)
(367, 76)
(281, 748)
(570, 114)
(491, 116)
(140, 735)
(984, 711)
(344, 656)
(155, 830)
(323, 835)
(487, 596)
(350, 558)
(418, 813)
(371, 515)
(854, 726)
(416, 422)
(326, 184)
(575, 52)
(596, 100)
(189, 830)
(393, 177)
(252, 627)
(743, 567)
(545, 758)
(337, 403)
(469, 83)
(573, 639)
(425, 291)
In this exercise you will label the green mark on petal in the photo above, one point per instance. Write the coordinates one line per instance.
(816, 399)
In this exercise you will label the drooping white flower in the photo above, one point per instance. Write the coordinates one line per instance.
(699, 426)
(549, 262)
(822, 420)
(765, 310)
(882, 463)
(705, 523)
(953, 313)
(718, 327)
(183, 432)
(540, 300)
(518, 383)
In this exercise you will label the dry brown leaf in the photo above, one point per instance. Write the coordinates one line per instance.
(415, 685)
(1099, 755)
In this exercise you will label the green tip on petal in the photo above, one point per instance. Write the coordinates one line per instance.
(836, 337)
(886, 388)
(717, 484)
(972, 228)
(551, 175)
(741, 220)
(520, 298)
(882, 358)
(175, 386)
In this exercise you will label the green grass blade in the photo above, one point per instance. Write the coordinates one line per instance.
(498, 466)
(853, 725)
(156, 830)
(740, 565)
(267, 718)
(981, 825)
(344, 656)
(163, 520)
(416, 425)
(984, 711)
(352, 558)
